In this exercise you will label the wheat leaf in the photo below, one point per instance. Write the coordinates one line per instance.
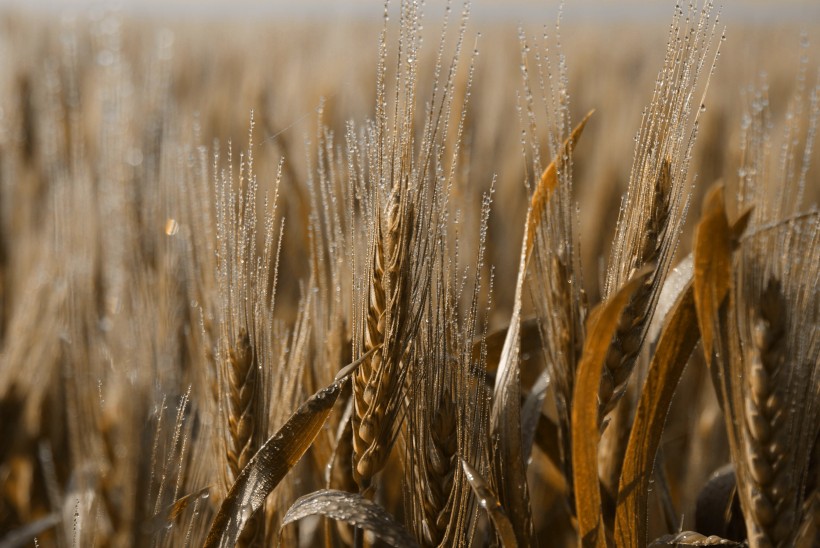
(354, 510)
(713, 265)
(489, 501)
(548, 182)
(715, 240)
(531, 413)
(690, 538)
(547, 437)
(585, 432)
(273, 461)
(494, 344)
(677, 340)
(676, 282)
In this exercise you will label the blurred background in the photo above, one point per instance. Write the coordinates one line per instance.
(201, 66)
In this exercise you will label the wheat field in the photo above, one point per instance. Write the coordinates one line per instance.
(422, 277)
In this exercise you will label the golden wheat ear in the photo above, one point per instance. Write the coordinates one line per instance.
(378, 386)
(767, 359)
(654, 208)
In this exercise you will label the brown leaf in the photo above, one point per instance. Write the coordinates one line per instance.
(677, 340)
(172, 512)
(715, 240)
(585, 433)
(530, 343)
(713, 265)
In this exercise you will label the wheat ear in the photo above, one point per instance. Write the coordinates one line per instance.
(440, 462)
(766, 417)
(378, 381)
(628, 338)
(243, 380)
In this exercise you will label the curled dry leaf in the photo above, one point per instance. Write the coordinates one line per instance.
(689, 538)
(354, 510)
(273, 461)
(678, 339)
(585, 433)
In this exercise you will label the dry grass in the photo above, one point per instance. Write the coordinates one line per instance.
(182, 318)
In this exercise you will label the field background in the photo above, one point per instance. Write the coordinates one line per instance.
(219, 61)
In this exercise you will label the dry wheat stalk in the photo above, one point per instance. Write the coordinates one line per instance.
(447, 415)
(556, 281)
(246, 346)
(769, 386)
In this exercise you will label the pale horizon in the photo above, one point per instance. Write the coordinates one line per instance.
(595, 11)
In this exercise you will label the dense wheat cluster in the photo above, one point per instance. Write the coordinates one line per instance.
(254, 295)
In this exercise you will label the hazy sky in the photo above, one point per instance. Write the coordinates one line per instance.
(807, 11)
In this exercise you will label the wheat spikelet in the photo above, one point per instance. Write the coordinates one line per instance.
(556, 281)
(447, 419)
(246, 347)
(447, 415)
